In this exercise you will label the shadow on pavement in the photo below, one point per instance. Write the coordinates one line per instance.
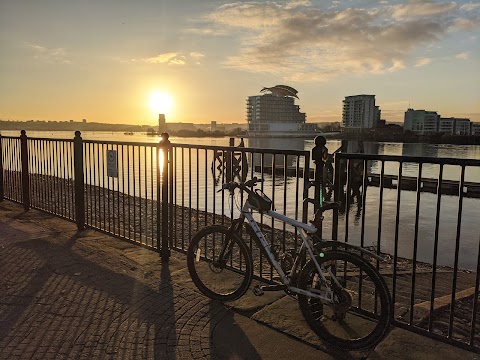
(72, 300)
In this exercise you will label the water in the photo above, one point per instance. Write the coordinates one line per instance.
(187, 176)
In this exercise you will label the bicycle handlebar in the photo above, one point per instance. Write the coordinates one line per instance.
(232, 185)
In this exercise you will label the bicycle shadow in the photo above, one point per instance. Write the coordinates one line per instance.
(228, 340)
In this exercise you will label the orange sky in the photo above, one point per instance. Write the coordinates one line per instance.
(102, 61)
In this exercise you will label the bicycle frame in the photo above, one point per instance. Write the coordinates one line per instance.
(324, 299)
(305, 230)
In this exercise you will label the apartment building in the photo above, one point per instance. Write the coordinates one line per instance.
(360, 113)
(455, 126)
(462, 126)
(475, 129)
(421, 122)
(276, 114)
(446, 126)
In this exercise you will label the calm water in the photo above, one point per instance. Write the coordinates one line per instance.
(186, 174)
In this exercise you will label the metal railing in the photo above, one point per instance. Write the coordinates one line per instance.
(433, 254)
(158, 195)
(198, 173)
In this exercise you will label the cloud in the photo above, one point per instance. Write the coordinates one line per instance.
(422, 9)
(172, 58)
(206, 31)
(48, 55)
(470, 6)
(463, 55)
(165, 58)
(464, 24)
(298, 40)
(298, 3)
(197, 57)
(423, 62)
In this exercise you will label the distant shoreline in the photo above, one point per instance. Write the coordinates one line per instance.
(415, 139)
(369, 137)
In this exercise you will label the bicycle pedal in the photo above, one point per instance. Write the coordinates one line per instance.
(257, 290)
(273, 287)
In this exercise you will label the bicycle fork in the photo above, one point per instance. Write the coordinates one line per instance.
(228, 244)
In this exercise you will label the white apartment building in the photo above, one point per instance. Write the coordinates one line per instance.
(421, 122)
(360, 113)
(275, 114)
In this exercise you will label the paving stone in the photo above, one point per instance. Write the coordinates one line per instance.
(84, 295)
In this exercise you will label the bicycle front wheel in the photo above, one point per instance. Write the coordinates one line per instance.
(219, 263)
(359, 316)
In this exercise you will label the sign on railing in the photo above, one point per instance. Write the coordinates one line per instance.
(112, 163)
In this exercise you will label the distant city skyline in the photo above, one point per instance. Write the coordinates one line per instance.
(198, 61)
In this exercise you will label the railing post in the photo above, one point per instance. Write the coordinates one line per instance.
(164, 147)
(25, 179)
(79, 182)
(319, 154)
(2, 192)
(229, 162)
(336, 195)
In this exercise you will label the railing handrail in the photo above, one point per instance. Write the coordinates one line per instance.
(204, 147)
(413, 159)
(11, 137)
(243, 149)
(46, 139)
(112, 142)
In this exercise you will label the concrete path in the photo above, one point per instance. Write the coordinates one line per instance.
(85, 295)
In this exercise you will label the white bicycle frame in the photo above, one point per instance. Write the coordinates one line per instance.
(305, 229)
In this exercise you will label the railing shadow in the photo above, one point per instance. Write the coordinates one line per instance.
(75, 301)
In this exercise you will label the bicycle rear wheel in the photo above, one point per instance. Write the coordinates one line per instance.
(360, 315)
(219, 263)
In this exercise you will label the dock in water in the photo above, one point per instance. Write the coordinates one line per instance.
(449, 187)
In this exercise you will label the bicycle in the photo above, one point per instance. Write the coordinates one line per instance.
(342, 296)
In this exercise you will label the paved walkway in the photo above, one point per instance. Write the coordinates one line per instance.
(73, 295)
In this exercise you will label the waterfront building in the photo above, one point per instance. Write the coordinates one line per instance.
(462, 126)
(162, 126)
(447, 126)
(421, 122)
(360, 113)
(455, 126)
(213, 126)
(475, 129)
(274, 114)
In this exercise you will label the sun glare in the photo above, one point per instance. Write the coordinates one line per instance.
(161, 103)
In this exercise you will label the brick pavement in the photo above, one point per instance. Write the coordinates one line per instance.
(85, 295)
(62, 298)
(62, 304)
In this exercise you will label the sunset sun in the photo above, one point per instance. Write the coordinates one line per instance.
(161, 103)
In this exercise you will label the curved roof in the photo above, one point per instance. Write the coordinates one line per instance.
(281, 90)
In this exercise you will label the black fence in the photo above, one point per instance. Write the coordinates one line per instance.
(158, 195)
(428, 233)
(155, 195)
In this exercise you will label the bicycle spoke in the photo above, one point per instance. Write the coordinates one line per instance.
(341, 323)
(219, 263)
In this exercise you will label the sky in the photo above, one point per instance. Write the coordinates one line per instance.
(104, 60)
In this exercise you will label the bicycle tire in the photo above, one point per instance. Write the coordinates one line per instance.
(333, 324)
(234, 277)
